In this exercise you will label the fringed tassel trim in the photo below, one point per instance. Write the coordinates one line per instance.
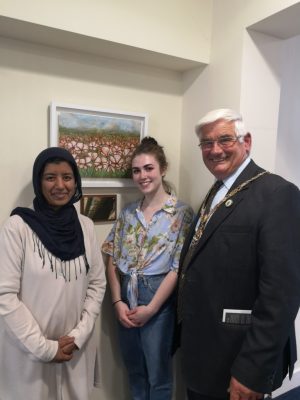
(58, 266)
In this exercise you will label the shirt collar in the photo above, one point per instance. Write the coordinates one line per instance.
(228, 182)
(169, 206)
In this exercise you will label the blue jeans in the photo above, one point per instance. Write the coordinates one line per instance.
(146, 351)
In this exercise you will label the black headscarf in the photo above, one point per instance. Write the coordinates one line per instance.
(59, 230)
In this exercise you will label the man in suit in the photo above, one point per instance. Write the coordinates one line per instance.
(239, 279)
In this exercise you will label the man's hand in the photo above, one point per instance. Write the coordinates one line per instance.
(241, 392)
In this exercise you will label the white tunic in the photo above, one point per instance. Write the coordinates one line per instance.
(37, 306)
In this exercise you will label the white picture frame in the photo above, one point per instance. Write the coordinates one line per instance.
(101, 141)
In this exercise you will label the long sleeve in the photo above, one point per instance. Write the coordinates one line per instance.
(17, 318)
(278, 301)
(95, 289)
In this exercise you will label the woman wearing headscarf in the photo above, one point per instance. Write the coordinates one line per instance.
(52, 284)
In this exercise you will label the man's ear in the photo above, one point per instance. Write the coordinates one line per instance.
(247, 141)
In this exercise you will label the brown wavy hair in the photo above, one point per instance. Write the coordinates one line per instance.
(150, 146)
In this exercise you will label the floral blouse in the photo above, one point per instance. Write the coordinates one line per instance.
(152, 248)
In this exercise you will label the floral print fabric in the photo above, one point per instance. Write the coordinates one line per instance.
(152, 248)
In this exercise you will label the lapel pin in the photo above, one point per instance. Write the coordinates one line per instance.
(228, 203)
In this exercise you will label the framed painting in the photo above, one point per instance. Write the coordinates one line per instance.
(99, 207)
(101, 141)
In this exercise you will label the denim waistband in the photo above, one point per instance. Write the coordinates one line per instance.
(131, 280)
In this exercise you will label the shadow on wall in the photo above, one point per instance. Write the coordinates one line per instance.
(87, 67)
(114, 379)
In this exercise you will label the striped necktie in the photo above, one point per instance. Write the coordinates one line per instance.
(211, 195)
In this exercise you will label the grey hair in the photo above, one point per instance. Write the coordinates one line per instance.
(222, 113)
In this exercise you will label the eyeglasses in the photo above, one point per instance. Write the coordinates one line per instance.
(225, 142)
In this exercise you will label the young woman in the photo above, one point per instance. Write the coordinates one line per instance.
(52, 284)
(144, 248)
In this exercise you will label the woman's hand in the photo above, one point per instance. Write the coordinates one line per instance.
(141, 315)
(66, 347)
(122, 310)
(67, 344)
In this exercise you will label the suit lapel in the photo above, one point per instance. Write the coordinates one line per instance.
(223, 211)
(188, 238)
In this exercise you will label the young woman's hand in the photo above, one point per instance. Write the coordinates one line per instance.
(141, 315)
(122, 311)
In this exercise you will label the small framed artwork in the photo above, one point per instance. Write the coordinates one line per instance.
(99, 207)
(101, 141)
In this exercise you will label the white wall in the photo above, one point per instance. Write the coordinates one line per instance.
(217, 85)
(260, 93)
(180, 28)
(288, 141)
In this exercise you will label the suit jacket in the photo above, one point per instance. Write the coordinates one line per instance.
(248, 258)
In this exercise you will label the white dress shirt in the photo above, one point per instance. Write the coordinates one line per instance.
(228, 182)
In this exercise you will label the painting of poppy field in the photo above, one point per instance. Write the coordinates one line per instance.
(102, 143)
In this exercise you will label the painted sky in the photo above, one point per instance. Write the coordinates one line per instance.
(89, 121)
